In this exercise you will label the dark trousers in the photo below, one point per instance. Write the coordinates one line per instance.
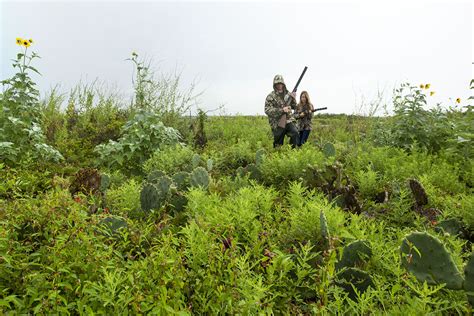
(304, 136)
(280, 133)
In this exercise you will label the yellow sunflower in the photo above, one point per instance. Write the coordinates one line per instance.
(30, 40)
(422, 86)
(19, 41)
(427, 86)
(431, 93)
(458, 100)
(26, 43)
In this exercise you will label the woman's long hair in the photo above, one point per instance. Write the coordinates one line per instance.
(308, 100)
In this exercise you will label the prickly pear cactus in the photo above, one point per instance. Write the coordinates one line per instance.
(104, 182)
(428, 260)
(163, 186)
(210, 165)
(240, 172)
(451, 226)
(324, 228)
(149, 197)
(111, 226)
(355, 254)
(200, 178)
(155, 175)
(469, 279)
(254, 172)
(329, 150)
(196, 161)
(178, 202)
(181, 180)
(259, 157)
(349, 277)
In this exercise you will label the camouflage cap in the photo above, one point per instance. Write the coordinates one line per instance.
(278, 79)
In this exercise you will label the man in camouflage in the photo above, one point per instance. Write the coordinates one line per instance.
(279, 113)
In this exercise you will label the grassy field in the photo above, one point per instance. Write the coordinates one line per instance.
(106, 209)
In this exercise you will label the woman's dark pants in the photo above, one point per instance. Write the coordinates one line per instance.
(304, 136)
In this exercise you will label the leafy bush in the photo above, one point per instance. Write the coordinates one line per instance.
(413, 125)
(141, 136)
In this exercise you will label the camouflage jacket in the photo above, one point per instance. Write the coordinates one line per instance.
(305, 122)
(274, 104)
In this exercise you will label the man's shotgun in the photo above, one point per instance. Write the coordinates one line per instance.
(282, 121)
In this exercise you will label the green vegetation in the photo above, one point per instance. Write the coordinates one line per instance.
(114, 209)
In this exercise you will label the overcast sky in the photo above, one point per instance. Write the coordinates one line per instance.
(234, 49)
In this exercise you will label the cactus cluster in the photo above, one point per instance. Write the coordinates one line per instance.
(161, 189)
(154, 195)
(428, 260)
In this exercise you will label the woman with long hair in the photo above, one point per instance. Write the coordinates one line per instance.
(304, 115)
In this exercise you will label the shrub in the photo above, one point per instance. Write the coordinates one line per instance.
(413, 125)
(141, 137)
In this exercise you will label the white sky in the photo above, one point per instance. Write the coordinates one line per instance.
(235, 48)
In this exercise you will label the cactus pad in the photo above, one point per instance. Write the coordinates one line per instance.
(104, 182)
(355, 254)
(259, 157)
(155, 175)
(329, 150)
(181, 180)
(451, 226)
(426, 257)
(210, 165)
(324, 228)
(196, 161)
(253, 172)
(200, 178)
(351, 278)
(149, 197)
(469, 279)
(112, 225)
(178, 202)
